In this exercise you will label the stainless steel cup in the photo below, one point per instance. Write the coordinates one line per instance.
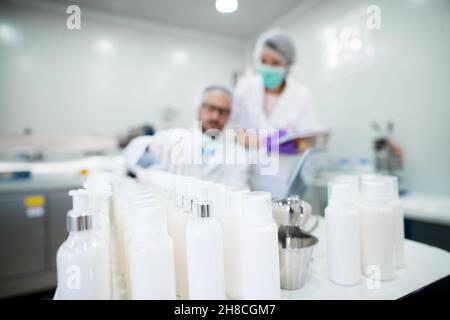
(291, 211)
(295, 248)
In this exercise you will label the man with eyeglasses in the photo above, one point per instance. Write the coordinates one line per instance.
(207, 151)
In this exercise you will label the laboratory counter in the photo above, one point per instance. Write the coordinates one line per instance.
(424, 265)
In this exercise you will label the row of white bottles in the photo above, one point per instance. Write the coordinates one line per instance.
(225, 240)
(364, 229)
(171, 236)
(144, 247)
(176, 235)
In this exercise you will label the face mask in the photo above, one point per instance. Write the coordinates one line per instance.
(272, 76)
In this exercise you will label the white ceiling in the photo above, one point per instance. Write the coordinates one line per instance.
(249, 19)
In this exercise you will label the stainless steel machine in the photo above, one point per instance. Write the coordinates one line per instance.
(32, 226)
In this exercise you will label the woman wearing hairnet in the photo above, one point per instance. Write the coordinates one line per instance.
(272, 99)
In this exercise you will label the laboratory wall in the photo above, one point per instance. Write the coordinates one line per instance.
(397, 69)
(112, 74)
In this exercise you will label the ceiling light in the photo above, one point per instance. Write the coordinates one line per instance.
(105, 46)
(355, 44)
(226, 6)
(179, 57)
(8, 34)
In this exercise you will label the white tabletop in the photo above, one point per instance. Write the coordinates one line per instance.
(427, 208)
(424, 265)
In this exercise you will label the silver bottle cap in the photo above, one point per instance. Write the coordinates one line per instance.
(204, 210)
(79, 222)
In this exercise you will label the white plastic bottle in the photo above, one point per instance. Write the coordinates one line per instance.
(82, 261)
(343, 234)
(217, 194)
(123, 189)
(232, 242)
(150, 251)
(259, 244)
(174, 211)
(137, 199)
(100, 197)
(399, 222)
(377, 231)
(179, 239)
(204, 249)
(351, 179)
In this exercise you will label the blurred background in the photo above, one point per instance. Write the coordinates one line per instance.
(70, 99)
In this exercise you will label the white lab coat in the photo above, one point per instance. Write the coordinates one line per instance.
(179, 151)
(292, 112)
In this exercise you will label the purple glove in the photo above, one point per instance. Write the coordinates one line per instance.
(272, 143)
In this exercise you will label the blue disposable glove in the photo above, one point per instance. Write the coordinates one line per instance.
(146, 160)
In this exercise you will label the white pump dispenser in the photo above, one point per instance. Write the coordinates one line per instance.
(82, 260)
(204, 251)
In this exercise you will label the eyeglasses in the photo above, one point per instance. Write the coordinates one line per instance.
(223, 111)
